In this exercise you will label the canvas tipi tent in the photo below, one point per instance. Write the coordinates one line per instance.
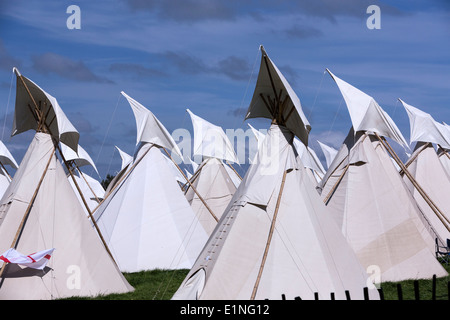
(145, 218)
(428, 171)
(275, 236)
(213, 180)
(39, 211)
(370, 202)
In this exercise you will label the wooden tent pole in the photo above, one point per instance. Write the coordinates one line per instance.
(325, 200)
(85, 204)
(36, 114)
(269, 239)
(28, 210)
(408, 163)
(444, 151)
(195, 174)
(193, 188)
(84, 178)
(427, 199)
(229, 164)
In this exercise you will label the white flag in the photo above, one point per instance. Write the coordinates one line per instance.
(37, 260)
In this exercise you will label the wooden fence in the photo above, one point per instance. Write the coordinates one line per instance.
(380, 290)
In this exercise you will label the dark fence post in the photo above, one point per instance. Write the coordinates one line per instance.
(380, 291)
(399, 291)
(283, 296)
(448, 290)
(332, 296)
(433, 288)
(347, 294)
(366, 293)
(316, 296)
(416, 289)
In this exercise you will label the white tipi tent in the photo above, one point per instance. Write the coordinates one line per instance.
(275, 237)
(366, 196)
(428, 171)
(40, 211)
(145, 218)
(212, 185)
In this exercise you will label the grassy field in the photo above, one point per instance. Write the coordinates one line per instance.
(161, 284)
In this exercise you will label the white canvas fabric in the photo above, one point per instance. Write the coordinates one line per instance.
(149, 128)
(427, 170)
(80, 264)
(216, 188)
(80, 158)
(307, 155)
(366, 114)
(443, 152)
(444, 158)
(268, 74)
(307, 252)
(424, 128)
(214, 181)
(6, 157)
(4, 181)
(126, 158)
(146, 220)
(210, 140)
(127, 161)
(90, 188)
(310, 160)
(177, 175)
(233, 175)
(329, 152)
(376, 213)
(60, 126)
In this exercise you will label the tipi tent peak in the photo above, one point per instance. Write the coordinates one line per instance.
(423, 128)
(274, 98)
(366, 114)
(47, 114)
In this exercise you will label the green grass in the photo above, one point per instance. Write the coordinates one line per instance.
(162, 284)
(148, 285)
(425, 288)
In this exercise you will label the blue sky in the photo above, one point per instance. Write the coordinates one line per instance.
(171, 55)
